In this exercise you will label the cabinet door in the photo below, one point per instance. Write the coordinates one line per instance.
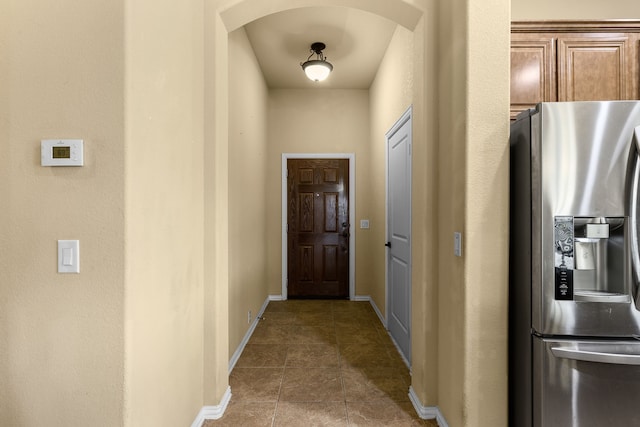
(533, 70)
(595, 68)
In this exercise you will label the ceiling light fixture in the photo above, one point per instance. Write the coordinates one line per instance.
(317, 69)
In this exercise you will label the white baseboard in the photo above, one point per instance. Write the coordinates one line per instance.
(427, 412)
(245, 340)
(378, 312)
(276, 298)
(213, 412)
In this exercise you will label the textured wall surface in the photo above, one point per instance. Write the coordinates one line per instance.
(248, 287)
(164, 213)
(61, 335)
(574, 9)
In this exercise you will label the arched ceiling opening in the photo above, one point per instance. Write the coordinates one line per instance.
(356, 42)
(357, 34)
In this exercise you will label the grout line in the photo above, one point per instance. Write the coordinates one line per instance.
(284, 367)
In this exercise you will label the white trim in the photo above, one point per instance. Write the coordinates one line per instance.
(426, 412)
(213, 412)
(245, 340)
(352, 213)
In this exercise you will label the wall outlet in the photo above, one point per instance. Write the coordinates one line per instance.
(249, 317)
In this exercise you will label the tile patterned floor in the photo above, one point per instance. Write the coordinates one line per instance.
(320, 363)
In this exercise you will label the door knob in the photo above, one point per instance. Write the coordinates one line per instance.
(388, 244)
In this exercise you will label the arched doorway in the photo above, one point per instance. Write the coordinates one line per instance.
(226, 20)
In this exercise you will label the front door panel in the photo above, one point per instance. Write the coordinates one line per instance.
(318, 228)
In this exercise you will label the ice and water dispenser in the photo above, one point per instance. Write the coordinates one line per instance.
(590, 259)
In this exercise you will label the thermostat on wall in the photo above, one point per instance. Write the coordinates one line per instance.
(62, 152)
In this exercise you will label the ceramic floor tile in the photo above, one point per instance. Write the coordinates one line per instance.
(283, 317)
(263, 356)
(313, 414)
(395, 356)
(358, 320)
(323, 306)
(312, 385)
(270, 333)
(280, 306)
(314, 318)
(355, 335)
(374, 384)
(360, 315)
(384, 412)
(246, 414)
(312, 334)
(351, 306)
(357, 355)
(320, 363)
(312, 356)
(255, 384)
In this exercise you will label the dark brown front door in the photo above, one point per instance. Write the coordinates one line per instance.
(318, 228)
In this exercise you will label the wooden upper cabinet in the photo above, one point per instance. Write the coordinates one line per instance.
(574, 61)
(533, 71)
(594, 68)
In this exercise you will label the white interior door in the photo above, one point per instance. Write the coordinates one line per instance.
(399, 233)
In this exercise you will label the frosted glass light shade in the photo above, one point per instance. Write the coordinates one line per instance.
(317, 70)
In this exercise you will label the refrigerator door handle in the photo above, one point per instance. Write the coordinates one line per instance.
(633, 205)
(595, 356)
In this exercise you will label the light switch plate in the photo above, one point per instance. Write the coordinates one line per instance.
(68, 256)
(457, 243)
(364, 223)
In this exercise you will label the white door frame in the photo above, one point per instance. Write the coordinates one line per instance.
(352, 214)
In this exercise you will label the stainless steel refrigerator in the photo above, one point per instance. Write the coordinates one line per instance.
(574, 332)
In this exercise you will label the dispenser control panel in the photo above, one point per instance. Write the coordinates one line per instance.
(563, 237)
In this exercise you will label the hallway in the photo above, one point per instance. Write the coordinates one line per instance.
(320, 363)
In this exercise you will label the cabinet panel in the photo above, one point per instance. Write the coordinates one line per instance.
(593, 68)
(532, 72)
(574, 61)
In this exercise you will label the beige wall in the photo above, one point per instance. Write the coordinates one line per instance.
(451, 213)
(315, 121)
(121, 342)
(391, 95)
(164, 221)
(61, 335)
(487, 213)
(574, 9)
(247, 187)
(473, 123)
